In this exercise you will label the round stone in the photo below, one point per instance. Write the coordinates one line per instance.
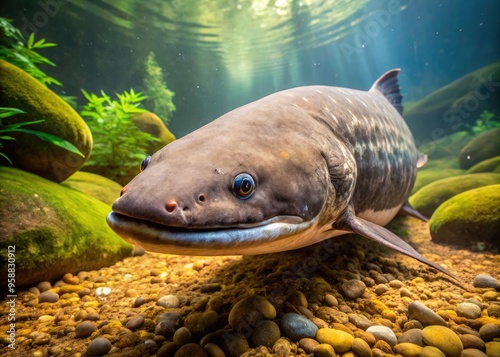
(201, 323)
(361, 348)
(341, 341)
(167, 349)
(182, 336)
(84, 329)
(444, 339)
(383, 333)
(489, 331)
(484, 281)
(48, 296)
(431, 351)
(493, 311)
(233, 344)
(248, 312)
(167, 324)
(266, 334)
(324, 350)
(169, 301)
(99, 347)
(473, 352)
(331, 300)
(135, 323)
(44, 286)
(493, 348)
(297, 298)
(424, 315)
(213, 350)
(296, 326)
(353, 289)
(472, 341)
(413, 335)
(468, 310)
(407, 349)
(191, 350)
(308, 344)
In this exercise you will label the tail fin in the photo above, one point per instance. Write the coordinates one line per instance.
(388, 85)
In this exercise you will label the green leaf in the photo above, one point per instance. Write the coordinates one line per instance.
(15, 126)
(31, 39)
(53, 139)
(7, 138)
(6, 157)
(8, 112)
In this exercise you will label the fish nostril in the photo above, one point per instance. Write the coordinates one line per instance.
(202, 197)
(170, 206)
(123, 191)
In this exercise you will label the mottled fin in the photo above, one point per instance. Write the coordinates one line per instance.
(351, 223)
(409, 210)
(388, 85)
(422, 160)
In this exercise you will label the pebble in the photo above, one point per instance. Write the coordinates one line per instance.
(84, 329)
(407, 349)
(135, 323)
(70, 289)
(472, 341)
(308, 344)
(472, 352)
(282, 347)
(489, 331)
(353, 289)
(331, 300)
(99, 347)
(266, 334)
(361, 348)
(341, 341)
(493, 349)
(383, 333)
(233, 344)
(169, 301)
(201, 323)
(191, 350)
(381, 288)
(360, 321)
(103, 291)
(413, 335)
(248, 312)
(44, 286)
(324, 350)
(493, 311)
(444, 339)
(139, 301)
(71, 279)
(423, 314)
(468, 310)
(182, 336)
(297, 298)
(481, 281)
(295, 326)
(431, 351)
(213, 350)
(48, 296)
(167, 349)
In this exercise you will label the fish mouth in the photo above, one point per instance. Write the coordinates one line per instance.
(259, 238)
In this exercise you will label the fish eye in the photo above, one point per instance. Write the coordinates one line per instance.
(243, 186)
(145, 163)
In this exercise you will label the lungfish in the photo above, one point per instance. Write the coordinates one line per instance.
(284, 172)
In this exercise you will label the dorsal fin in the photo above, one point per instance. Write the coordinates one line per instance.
(388, 85)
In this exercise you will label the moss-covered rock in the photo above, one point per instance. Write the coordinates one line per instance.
(449, 162)
(482, 147)
(426, 176)
(150, 123)
(20, 90)
(470, 216)
(55, 229)
(489, 165)
(429, 197)
(459, 103)
(446, 146)
(96, 186)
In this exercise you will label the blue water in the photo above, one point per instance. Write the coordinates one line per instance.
(219, 55)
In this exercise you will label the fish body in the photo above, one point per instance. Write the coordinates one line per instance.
(283, 172)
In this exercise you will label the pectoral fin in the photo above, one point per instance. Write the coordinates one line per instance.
(409, 210)
(351, 223)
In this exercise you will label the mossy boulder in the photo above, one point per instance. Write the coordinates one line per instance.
(426, 176)
(470, 216)
(55, 229)
(150, 123)
(429, 197)
(489, 165)
(450, 162)
(445, 146)
(458, 103)
(482, 147)
(93, 185)
(20, 90)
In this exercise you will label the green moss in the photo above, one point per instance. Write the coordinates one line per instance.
(429, 197)
(425, 177)
(96, 186)
(470, 216)
(55, 229)
(449, 162)
(446, 146)
(482, 147)
(489, 165)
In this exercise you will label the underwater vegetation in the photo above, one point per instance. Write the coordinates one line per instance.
(486, 121)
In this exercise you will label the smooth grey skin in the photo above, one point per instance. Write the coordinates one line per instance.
(325, 160)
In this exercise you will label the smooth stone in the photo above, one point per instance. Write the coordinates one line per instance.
(381, 288)
(135, 323)
(169, 301)
(431, 351)
(413, 335)
(167, 324)
(484, 281)
(493, 349)
(248, 312)
(407, 349)
(473, 352)
(182, 336)
(353, 289)
(295, 326)
(84, 329)
(297, 298)
(99, 347)
(308, 344)
(233, 345)
(472, 341)
(489, 331)
(48, 296)
(191, 350)
(360, 321)
(324, 350)
(361, 348)
(493, 311)
(266, 334)
(468, 310)
(201, 323)
(341, 341)
(213, 350)
(444, 339)
(383, 333)
(167, 349)
(44, 286)
(331, 300)
(424, 315)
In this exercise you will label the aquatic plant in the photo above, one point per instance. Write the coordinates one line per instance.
(485, 122)
(24, 55)
(118, 143)
(159, 96)
(17, 127)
